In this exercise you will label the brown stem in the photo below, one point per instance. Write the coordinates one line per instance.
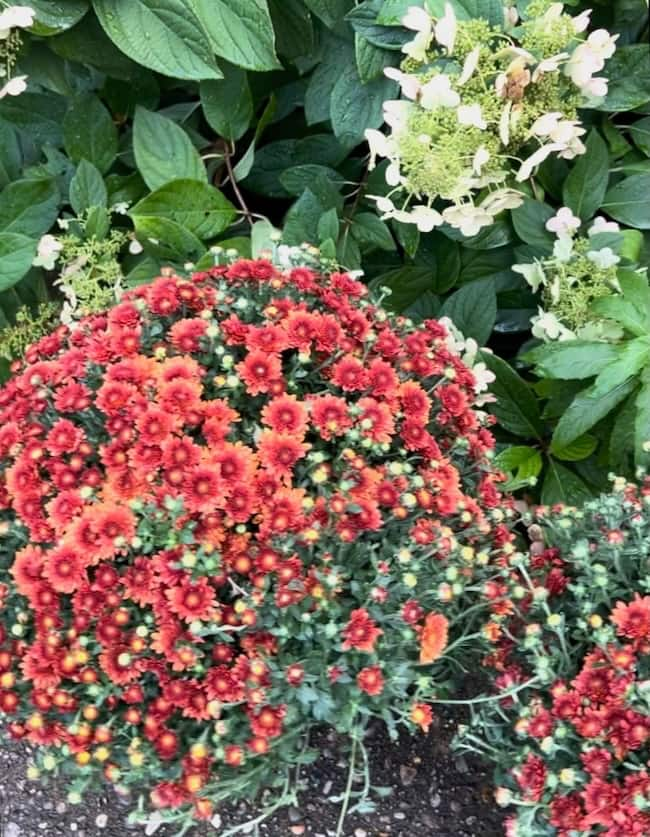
(228, 152)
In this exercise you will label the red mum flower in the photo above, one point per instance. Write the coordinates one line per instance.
(64, 568)
(223, 685)
(64, 437)
(27, 568)
(633, 619)
(267, 721)
(371, 681)
(433, 639)
(258, 370)
(203, 489)
(452, 399)
(375, 420)
(361, 632)
(329, 414)
(285, 414)
(154, 426)
(350, 374)
(185, 335)
(192, 600)
(422, 715)
(279, 452)
(531, 776)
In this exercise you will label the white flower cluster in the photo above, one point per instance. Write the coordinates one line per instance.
(487, 106)
(467, 349)
(12, 18)
(580, 269)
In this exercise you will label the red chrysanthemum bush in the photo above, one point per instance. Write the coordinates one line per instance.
(571, 630)
(236, 505)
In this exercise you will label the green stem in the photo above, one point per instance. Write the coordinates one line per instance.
(348, 789)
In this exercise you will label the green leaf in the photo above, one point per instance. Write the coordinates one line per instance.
(329, 11)
(163, 151)
(298, 178)
(163, 35)
(407, 284)
(87, 43)
(275, 158)
(355, 106)
(529, 221)
(89, 132)
(628, 71)
(263, 237)
(516, 407)
(579, 449)
(302, 219)
(337, 54)
(640, 132)
(585, 187)
(392, 11)
(562, 485)
(87, 188)
(473, 309)
(53, 16)
(11, 157)
(633, 356)
(369, 230)
(37, 115)
(16, 255)
(624, 312)
(198, 207)
(240, 31)
(523, 462)
(621, 440)
(571, 359)
(167, 239)
(586, 410)
(642, 425)
(371, 60)
(228, 104)
(328, 226)
(294, 30)
(29, 207)
(629, 202)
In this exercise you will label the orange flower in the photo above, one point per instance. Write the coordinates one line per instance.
(433, 639)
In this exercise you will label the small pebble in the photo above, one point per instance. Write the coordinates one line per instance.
(101, 821)
(297, 829)
(12, 830)
(360, 833)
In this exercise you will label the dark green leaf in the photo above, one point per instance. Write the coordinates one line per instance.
(11, 157)
(571, 359)
(228, 104)
(89, 44)
(629, 202)
(369, 230)
(579, 449)
(628, 71)
(164, 35)
(330, 12)
(473, 309)
(273, 159)
(298, 178)
(301, 222)
(633, 356)
(53, 16)
(89, 132)
(198, 207)
(586, 410)
(37, 115)
(516, 407)
(167, 239)
(406, 284)
(371, 59)
(328, 226)
(642, 425)
(585, 187)
(355, 106)
(87, 188)
(163, 151)
(529, 221)
(29, 207)
(16, 255)
(240, 31)
(640, 132)
(293, 27)
(562, 485)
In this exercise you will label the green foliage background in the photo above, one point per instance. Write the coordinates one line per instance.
(205, 116)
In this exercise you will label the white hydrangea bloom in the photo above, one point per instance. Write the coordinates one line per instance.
(47, 252)
(15, 17)
(420, 21)
(469, 66)
(467, 218)
(471, 115)
(14, 87)
(438, 92)
(602, 225)
(445, 29)
(530, 164)
(532, 273)
(564, 221)
(603, 258)
(546, 326)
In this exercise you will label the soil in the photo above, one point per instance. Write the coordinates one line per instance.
(434, 793)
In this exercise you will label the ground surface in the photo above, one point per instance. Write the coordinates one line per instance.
(435, 794)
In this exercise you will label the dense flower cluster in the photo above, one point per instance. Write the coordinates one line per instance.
(234, 505)
(569, 631)
(581, 269)
(483, 106)
(12, 20)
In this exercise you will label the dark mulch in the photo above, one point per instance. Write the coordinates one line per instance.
(435, 793)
